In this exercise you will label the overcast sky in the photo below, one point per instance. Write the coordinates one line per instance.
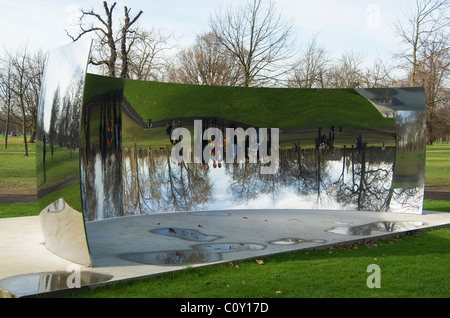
(362, 26)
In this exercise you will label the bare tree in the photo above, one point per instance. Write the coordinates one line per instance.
(36, 63)
(18, 86)
(125, 32)
(258, 38)
(147, 60)
(106, 37)
(426, 33)
(311, 68)
(6, 96)
(428, 19)
(206, 62)
(434, 74)
(379, 75)
(347, 72)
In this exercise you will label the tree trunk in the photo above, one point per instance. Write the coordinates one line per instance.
(24, 128)
(7, 123)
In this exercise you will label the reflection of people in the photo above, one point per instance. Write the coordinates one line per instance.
(359, 143)
(330, 141)
(320, 140)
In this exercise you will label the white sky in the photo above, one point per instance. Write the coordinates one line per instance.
(364, 26)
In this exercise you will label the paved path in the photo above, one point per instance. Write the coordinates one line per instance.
(437, 195)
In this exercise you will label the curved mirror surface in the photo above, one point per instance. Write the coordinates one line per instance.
(58, 123)
(57, 152)
(157, 147)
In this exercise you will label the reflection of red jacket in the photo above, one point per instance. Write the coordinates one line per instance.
(109, 133)
(213, 149)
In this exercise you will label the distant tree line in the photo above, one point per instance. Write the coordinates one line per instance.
(248, 45)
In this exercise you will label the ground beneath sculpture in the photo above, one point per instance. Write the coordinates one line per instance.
(132, 247)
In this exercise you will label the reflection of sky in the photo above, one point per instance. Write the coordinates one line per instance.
(287, 196)
(61, 67)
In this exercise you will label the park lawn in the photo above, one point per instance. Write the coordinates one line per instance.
(15, 144)
(17, 172)
(411, 267)
(437, 176)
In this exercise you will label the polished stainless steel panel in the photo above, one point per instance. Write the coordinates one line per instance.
(57, 151)
(134, 165)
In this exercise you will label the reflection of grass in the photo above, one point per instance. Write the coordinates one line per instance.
(62, 165)
(133, 134)
(408, 163)
(259, 107)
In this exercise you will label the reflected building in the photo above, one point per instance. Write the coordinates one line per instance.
(112, 147)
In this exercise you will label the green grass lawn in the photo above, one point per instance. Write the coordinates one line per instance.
(437, 176)
(17, 171)
(411, 267)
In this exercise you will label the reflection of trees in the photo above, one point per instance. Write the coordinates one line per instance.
(141, 178)
(411, 133)
(186, 186)
(65, 115)
(351, 179)
(154, 182)
(54, 116)
(370, 188)
(410, 199)
(363, 181)
(70, 114)
(101, 157)
(244, 180)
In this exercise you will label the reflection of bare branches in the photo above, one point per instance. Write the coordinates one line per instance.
(410, 199)
(244, 182)
(371, 182)
(153, 183)
(345, 179)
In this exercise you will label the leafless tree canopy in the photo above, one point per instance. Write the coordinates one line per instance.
(249, 45)
(426, 23)
(106, 37)
(426, 35)
(311, 68)
(258, 38)
(147, 59)
(20, 82)
(207, 62)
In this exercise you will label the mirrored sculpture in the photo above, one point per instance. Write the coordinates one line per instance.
(112, 147)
